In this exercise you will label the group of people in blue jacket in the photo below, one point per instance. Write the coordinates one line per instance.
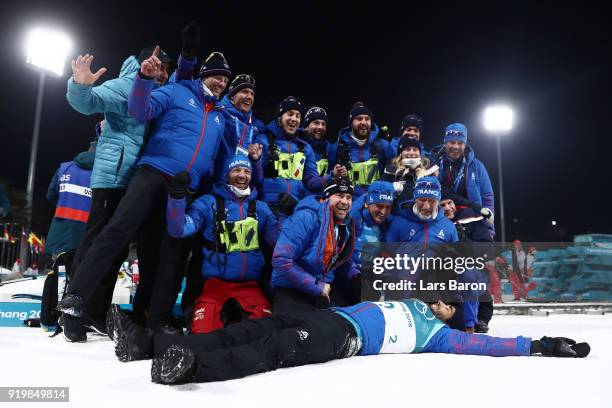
(267, 223)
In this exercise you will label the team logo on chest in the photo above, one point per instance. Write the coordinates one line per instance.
(192, 103)
(441, 234)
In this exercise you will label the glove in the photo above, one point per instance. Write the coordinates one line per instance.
(559, 347)
(488, 215)
(190, 36)
(398, 186)
(179, 184)
(384, 134)
(286, 204)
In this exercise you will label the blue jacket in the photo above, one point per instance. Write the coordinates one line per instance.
(241, 129)
(304, 257)
(363, 153)
(272, 187)
(120, 144)
(410, 228)
(477, 183)
(366, 230)
(188, 127)
(200, 216)
(65, 233)
(370, 321)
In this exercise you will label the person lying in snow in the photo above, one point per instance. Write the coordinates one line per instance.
(317, 336)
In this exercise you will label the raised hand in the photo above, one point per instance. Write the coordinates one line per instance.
(81, 70)
(152, 66)
(340, 171)
(255, 151)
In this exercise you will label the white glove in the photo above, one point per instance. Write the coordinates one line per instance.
(398, 186)
(488, 215)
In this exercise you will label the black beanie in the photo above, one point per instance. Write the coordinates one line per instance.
(315, 113)
(359, 109)
(338, 185)
(412, 120)
(147, 52)
(405, 142)
(215, 64)
(289, 103)
(242, 81)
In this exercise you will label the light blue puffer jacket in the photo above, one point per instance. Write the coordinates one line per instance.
(120, 143)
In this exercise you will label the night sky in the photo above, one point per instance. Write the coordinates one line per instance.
(447, 64)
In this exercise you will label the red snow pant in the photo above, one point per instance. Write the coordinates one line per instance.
(222, 303)
(519, 290)
(494, 286)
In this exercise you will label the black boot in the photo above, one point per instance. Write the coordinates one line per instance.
(72, 329)
(482, 327)
(132, 342)
(95, 327)
(71, 305)
(178, 365)
(559, 347)
(110, 326)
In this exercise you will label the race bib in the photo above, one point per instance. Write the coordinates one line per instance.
(400, 333)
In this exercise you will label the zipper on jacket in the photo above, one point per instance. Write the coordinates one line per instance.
(120, 162)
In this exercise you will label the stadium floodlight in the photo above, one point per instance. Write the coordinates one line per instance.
(47, 48)
(498, 118)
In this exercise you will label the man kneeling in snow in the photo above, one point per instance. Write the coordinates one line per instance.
(316, 336)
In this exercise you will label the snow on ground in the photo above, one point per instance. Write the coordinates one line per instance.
(97, 378)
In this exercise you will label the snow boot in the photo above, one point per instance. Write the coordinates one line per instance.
(132, 342)
(178, 365)
(73, 329)
(71, 305)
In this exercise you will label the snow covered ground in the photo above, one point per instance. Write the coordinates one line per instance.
(97, 378)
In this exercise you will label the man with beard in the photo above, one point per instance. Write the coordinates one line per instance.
(463, 177)
(232, 223)
(315, 129)
(359, 151)
(287, 162)
(314, 248)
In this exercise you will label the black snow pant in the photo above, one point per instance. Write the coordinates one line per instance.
(48, 314)
(104, 202)
(142, 207)
(289, 301)
(485, 307)
(261, 345)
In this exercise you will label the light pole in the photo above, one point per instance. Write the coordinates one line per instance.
(46, 51)
(498, 120)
